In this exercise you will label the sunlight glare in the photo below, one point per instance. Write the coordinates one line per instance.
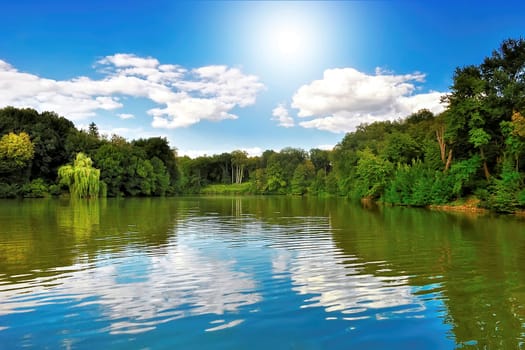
(289, 42)
(286, 37)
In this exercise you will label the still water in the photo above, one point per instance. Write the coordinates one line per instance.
(257, 273)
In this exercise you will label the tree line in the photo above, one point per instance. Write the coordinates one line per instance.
(43, 154)
(475, 148)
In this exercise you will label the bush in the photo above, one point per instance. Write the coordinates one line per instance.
(418, 185)
(506, 192)
(231, 189)
(35, 189)
(55, 190)
(9, 190)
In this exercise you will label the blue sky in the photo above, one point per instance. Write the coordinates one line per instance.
(217, 76)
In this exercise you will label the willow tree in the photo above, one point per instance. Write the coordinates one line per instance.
(81, 178)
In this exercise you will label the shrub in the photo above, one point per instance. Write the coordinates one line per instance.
(35, 189)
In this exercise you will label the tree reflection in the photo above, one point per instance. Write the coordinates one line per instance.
(475, 258)
(37, 236)
(335, 253)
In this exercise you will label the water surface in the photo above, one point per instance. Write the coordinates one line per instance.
(258, 273)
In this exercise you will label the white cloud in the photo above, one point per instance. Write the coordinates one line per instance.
(194, 153)
(129, 60)
(253, 151)
(326, 147)
(280, 113)
(345, 98)
(184, 97)
(126, 116)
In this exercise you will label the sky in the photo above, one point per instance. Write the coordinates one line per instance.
(216, 76)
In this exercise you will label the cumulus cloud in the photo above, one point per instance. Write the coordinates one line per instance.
(345, 98)
(183, 97)
(280, 113)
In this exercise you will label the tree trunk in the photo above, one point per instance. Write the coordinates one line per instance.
(241, 173)
(485, 166)
(449, 161)
(440, 135)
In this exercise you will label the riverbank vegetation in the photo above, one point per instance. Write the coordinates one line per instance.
(475, 148)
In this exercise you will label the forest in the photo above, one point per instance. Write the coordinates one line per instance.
(472, 150)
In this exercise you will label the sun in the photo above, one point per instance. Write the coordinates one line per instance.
(288, 42)
(284, 37)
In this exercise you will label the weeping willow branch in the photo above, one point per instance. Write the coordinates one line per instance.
(81, 178)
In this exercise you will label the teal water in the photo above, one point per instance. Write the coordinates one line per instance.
(257, 273)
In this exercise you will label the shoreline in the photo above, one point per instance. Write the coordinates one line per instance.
(460, 208)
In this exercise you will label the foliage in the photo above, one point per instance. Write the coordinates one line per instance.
(158, 147)
(464, 174)
(16, 151)
(506, 192)
(48, 133)
(230, 189)
(302, 178)
(418, 185)
(238, 161)
(318, 185)
(35, 189)
(475, 146)
(372, 174)
(9, 190)
(400, 148)
(81, 178)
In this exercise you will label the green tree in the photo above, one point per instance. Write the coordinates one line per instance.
(320, 159)
(302, 177)
(161, 177)
(109, 159)
(318, 185)
(400, 148)
(469, 114)
(239, 160)
(159, 147)
(372, 174)
(514, 132)
(259, 182)
(275, 178)
(93, 130)
(81, 178)
(506, 192)
(16, 151)
(464, 175)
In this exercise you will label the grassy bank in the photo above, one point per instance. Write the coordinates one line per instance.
(243, 188)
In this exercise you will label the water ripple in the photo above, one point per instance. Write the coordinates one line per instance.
(210, 275)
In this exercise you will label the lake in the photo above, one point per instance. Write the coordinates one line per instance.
(257, 273)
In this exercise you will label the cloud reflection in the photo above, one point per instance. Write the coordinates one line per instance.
(183, 282)
(339, 283)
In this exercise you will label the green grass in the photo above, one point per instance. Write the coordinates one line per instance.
(243, 188)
